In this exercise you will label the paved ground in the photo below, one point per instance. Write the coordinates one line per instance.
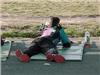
(89, 66)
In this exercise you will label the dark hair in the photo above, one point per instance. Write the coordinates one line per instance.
(55, 21)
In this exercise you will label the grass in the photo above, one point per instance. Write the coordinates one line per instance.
(73, 30)
(50, 8)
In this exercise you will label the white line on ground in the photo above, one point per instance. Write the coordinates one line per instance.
(92, 53)
(95, 49)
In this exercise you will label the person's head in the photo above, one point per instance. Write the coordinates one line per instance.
(54, 21)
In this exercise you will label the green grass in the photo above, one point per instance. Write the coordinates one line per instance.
(73, 30)
(20, 34)
(50, 8)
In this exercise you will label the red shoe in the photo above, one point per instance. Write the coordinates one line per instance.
(55, 57)
(59, 59)
(22, 57)
(18, 53)
(50, 57)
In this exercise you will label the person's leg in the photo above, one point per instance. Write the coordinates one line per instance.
(33, 50)
(48, 48)
(25, 56)
(46, 44)
(52, 55)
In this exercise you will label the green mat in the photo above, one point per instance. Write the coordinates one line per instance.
(5, 50)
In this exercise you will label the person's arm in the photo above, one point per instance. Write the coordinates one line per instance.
(64, 38)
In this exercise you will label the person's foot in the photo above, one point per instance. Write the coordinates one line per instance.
(55, 57)
(22, 57)
(18, 53)
(59, 58)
